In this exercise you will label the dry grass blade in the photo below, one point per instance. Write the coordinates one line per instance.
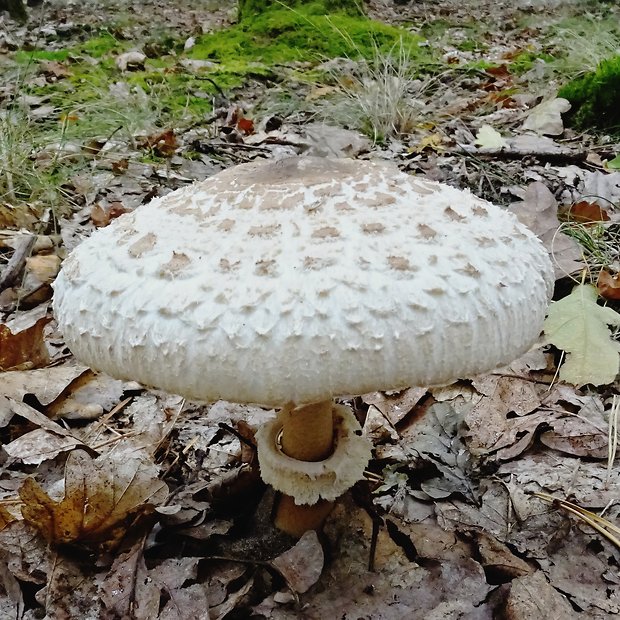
(603, 526)
(614, 416)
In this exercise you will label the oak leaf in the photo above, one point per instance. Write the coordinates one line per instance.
(578, 326)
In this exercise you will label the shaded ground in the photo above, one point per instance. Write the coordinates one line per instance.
(450, 492)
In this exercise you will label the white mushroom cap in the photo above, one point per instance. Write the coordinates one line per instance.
(303, 279)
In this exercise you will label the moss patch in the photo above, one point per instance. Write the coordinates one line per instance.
(595, 97)
(302, 34)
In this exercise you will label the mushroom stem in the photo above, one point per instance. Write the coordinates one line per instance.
(308, 431)
(307, 435)
(297, 520)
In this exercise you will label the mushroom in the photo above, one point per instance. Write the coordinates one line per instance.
(288, 283)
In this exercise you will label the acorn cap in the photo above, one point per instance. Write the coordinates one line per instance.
(303, 279)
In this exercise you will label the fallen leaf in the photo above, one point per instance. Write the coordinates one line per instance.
(44, 384)
(608, 285)
(163, 144)
(531, 597)
(72, 590)
(585, 212)
(245, 126)
(546, 117)
(504, 421)
(102, 498)
(101, 215)
(539, 212)
(578, 436)
(301, 566)
(21, 340)
(130, 61)
(614, 164)
(40, 445)
(318, 92)
(489, 138)
(53, 69)
(127, 591)
(578, 326)
(432, 142)
(43, 268)
(395, 405)
(498, 561)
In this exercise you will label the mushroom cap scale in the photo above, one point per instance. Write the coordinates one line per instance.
(303, 279)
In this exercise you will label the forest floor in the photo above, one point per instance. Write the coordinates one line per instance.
(496, 497)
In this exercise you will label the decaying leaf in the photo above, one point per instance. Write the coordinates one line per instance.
(539, 212)
(532, 598)
(614, 164)
(40, 445)
(21, 340)
(489, 138)
(608, 285)
(102, 498)
(163, 144)
(301, 565)
(546, 117)
(578, 326)
(44, 384)
(127, 591)
(586, 212)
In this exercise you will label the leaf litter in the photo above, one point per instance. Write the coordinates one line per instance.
(131, 503)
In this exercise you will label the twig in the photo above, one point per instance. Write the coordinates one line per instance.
(558, 155)
(16, 263)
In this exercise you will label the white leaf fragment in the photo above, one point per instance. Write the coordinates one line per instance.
(489, 138)
(546, 118)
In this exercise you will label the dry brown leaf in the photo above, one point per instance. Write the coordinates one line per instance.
(502, 421)
(40, 445)
(72, 590)
(532, 598)
(88, 396)
(26, 554)
(10, 407)
(102, 214)
(574, 435)
(21, 340)
(398, 588)
(102, 498)
(42, 269)
(539, 212)
(190, 601)
(53, 69)
(5, 517)
(608, 285)
(586, 212)
(44, 384)
(163, 144)
(395, 405)
(11, 598)
(127, 591)
(498, 560)
(301, 566)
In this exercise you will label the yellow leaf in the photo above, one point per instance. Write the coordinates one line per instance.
(578, 326)
(103, 497)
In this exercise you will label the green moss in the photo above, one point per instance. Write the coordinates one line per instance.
(302, 34)
(594, 98)
(250, 9)
(101, 45)
(524, 61)
(24, 57)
